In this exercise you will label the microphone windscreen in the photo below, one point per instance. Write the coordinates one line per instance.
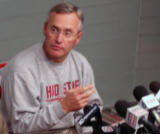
(121, 107)
(154, 86)
(139, 92)
(87, 108)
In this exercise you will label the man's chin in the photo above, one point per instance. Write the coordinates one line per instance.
(57, 58)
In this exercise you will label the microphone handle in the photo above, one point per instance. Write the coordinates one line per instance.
(156, 116)
(149, 126)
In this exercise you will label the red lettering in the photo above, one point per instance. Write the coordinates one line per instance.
(48, 91)
(56, 90)
(73, 83)
(64, 88)
(76, 83)
(69, 86)
(52, 90)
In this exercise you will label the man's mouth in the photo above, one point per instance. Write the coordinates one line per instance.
(56, 47)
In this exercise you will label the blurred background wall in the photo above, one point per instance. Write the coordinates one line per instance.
(121, 39)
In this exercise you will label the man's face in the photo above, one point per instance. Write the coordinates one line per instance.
(61, 33)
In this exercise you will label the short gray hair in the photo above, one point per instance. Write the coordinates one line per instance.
(66, 7)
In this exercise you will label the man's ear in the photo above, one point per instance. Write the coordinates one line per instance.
(79, 37)
(45, 27)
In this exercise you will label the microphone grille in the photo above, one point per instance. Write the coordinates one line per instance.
(121, 107)
(154, 86)
(139, 92)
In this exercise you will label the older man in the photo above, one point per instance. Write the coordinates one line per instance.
(47, 86)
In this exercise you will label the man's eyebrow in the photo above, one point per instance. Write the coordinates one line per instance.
(54, 26)
(68, 29)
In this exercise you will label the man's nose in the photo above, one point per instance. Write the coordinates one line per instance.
(59, 38)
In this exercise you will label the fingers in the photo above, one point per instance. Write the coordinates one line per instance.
(77, 98)
(82, 90)
(84, 101)
(88, 87)
(87, 93)
(84, 95)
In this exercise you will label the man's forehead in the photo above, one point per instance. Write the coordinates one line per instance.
(72, 15)
(69, 20)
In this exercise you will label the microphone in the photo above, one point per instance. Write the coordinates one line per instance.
(154, 86)
(89, 113)
(86, 110)
(121, 105)
(97, 125)
(147, 101)
(135, 116)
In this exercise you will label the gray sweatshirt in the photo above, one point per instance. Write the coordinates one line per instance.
(33, 86)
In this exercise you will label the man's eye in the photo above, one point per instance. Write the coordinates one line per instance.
(54, 29)
(68, 33)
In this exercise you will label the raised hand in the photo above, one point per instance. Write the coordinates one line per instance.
(77, 98)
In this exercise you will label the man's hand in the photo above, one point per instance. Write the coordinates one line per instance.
(77, 98)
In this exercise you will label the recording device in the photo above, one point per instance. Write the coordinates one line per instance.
(97, 125)
(89, 113)
(136, 116)
(147, 101)
(120, 107)
(155, 88)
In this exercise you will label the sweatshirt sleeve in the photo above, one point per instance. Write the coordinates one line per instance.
(22, 105)
(88, 79)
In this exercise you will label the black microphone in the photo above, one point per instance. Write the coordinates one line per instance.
(120, 107)
(135, 116)
(97, 125)
(139, 92)
(89, 113)
(87, 109)
(122, 110)
(147, 101)
(154, 86)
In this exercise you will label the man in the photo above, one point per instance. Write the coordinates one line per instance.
(47, 86)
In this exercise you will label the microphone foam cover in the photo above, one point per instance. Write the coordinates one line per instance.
(121, 107)
(139, 92)
(154, 86)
